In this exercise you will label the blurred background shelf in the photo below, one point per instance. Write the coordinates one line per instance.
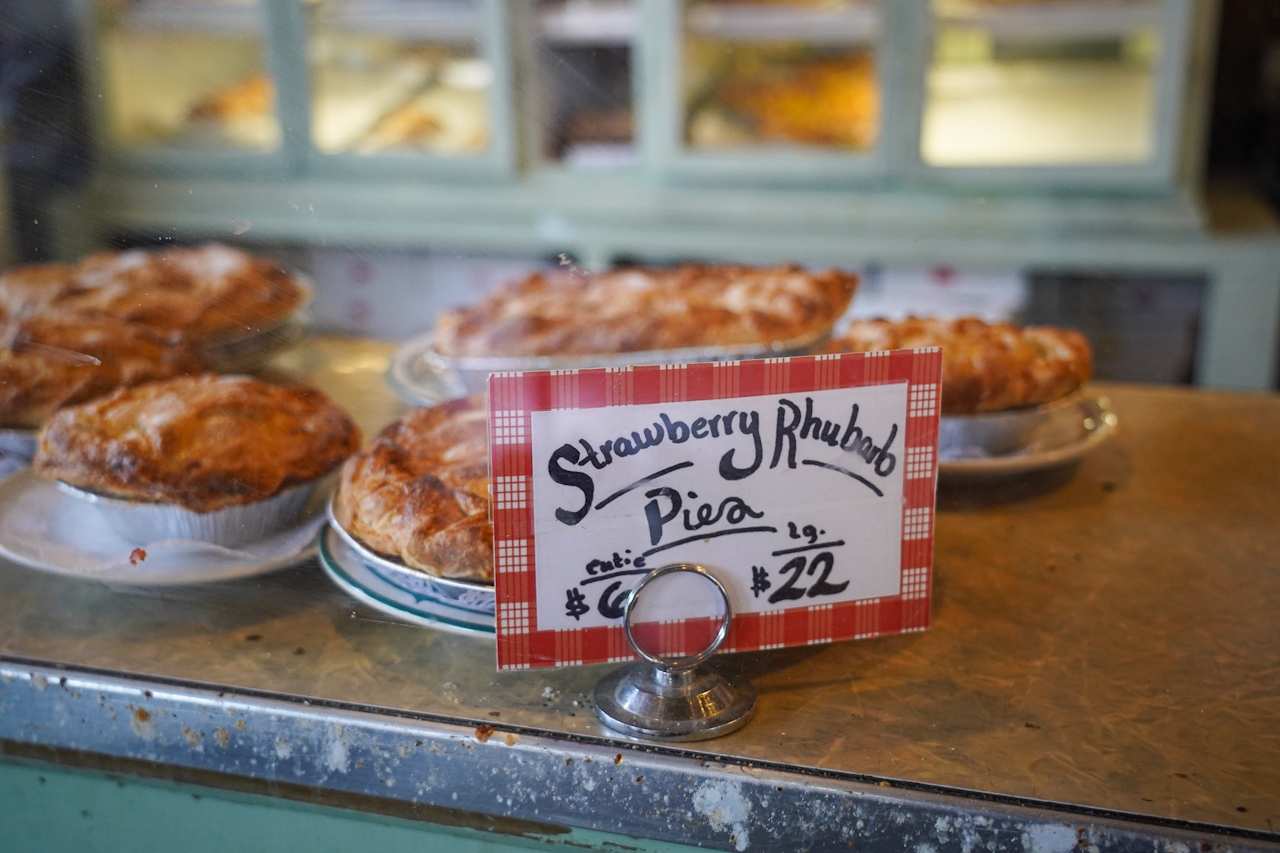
(588, 22)
(830, 23)
(427, 20)
(1048, 20)
(219, 16)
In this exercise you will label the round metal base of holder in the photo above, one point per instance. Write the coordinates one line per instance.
(645, 701)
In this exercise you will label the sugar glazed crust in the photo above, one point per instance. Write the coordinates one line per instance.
(637, 309)
(203, 443)
(420, 492)
(214, 292)
(50, 362)
(986, 367)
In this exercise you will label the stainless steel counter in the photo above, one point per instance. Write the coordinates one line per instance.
(1103, 669)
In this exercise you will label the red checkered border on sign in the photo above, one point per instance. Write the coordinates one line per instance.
(517, 395)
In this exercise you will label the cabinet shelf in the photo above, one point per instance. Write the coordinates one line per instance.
(211, 16)
(1053, 19)
(441, 20)
(848, 23)
(584, 22)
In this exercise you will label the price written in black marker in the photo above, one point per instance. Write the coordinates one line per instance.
(770, 491)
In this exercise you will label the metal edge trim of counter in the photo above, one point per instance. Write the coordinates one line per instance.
(515, 774)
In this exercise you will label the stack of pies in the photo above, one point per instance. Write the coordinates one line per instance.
(986, 367)
(71, 333)
(420, 492)
(637, 309)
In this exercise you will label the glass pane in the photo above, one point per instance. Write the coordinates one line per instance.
(188, 73)
(398, 76)
(1042, 82)
(585, 84)
(781, 74)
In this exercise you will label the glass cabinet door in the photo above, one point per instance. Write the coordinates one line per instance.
(780, 77)
(399, 77)
(187, 74)
(584, 103)
(1043, 83)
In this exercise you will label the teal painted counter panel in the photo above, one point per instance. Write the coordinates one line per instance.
(44, 808)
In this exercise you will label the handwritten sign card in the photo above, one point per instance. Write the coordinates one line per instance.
(805, 484)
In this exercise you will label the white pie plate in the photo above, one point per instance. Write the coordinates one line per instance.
(17, 449)
(1064, 436)
(345, 567)
(44, 528)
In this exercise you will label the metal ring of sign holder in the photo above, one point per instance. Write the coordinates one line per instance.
(674, 699)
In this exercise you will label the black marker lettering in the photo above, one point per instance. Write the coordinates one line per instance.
(655, 516)
(574, 479)
(850, 430)
(677, 431)
(810, 422)
(591, 455)
(883, 454)
(749, 427)
(699, 428)
(649, 439)
(831, 433)
(786, 431)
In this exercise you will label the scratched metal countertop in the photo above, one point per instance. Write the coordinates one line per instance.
(1105, 641)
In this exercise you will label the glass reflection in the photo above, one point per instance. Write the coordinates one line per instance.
(781, 74)
(398, 76)
(187, 73)
(1041, 82)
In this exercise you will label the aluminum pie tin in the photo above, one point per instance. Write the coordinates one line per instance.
(17, 448)
(422, 376)
(144, 522)
(993, 434)
(472, 596)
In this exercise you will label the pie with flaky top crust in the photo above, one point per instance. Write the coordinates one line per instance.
(637, 309)
(420, 492)
(986, 367)
(53, 361)
(214, 292)
(203, 443)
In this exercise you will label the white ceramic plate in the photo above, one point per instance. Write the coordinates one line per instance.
(17, 449)
(344, 566)
(475, 596)
(1065, 436)
(44, 528)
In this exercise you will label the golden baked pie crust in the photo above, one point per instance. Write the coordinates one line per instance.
(53, 361)
(203, 443)
(419, 492)
(638, 309)
(986, 367)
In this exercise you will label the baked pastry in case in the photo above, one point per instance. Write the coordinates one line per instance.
(51, 361)
(32, 288)
(203, 443)
(214, 292)
(637, 309)
(420, 492)
(986, 367)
